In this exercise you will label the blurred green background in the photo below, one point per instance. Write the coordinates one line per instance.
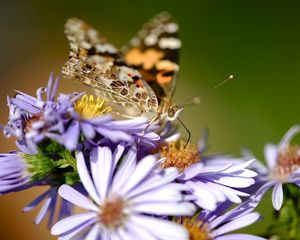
(256, 41)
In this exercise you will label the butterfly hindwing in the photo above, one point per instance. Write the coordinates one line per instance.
(154, 52)
(97, 63)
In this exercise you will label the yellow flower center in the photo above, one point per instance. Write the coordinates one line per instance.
(112, 215)
(179, 156)
(287, 162)
(198, 230)
(89, 107)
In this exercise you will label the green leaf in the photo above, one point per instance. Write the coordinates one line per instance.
(39, 165)
(64, 165)
(68, 158)
(54, 160)
(72, 178)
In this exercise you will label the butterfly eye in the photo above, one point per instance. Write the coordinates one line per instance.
(171, 112)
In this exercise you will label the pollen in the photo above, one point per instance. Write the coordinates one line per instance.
(89, 107)
(198, 230)
(180, 156)
(287, 162)
(112, 215)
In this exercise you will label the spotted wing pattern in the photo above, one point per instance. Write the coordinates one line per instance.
(154, 52)
(97, 63)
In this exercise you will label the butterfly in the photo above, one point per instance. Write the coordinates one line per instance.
(140, 78)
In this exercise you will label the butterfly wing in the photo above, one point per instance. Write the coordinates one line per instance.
(154, 52)
(97, 63)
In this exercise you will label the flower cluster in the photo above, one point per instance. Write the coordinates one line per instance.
(131, 179)
(65, 119)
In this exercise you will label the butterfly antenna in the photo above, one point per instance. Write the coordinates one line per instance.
(195, 100)
(189, 133)
(218, 85)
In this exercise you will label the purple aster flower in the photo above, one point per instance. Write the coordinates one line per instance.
(50, 199)
(114, 130)
(283, 166)
(211, 185)
(216, 225)
(126, 201)
(212, 179)
(33, 119)
(17, 174)
(13, 172)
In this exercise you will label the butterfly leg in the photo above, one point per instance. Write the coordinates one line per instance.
(189, 133)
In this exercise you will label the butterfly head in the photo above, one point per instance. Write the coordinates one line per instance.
(173, 112)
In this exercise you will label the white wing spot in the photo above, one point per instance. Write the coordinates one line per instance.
(150, 40)
(86, 45)
(171, 28)
(74, 26)
(110, 48)
(92, 33)
(73, 46)
(171, 43)
(106, 47)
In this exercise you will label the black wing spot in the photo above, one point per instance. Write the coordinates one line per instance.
(138, 95)
(124, 92)
(92, 51)
(135, 78)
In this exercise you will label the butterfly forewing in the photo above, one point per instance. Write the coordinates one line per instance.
(154, 52)
(97, 63)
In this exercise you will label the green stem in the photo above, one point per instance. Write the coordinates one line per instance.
(65, 154)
